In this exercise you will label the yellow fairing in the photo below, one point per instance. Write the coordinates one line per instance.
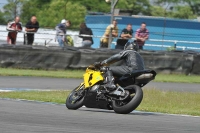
(91, 77)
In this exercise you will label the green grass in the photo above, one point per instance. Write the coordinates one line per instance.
(153, 101)
(45, 96)
(180, 78)
(171, 102)
(42, 73)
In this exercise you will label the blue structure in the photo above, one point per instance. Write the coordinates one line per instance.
(159, 28)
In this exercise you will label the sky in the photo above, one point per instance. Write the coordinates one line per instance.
(2, 3)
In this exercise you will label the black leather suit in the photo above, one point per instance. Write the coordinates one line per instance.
(132, 61)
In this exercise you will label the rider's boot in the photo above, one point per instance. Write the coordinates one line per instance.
(110, 81)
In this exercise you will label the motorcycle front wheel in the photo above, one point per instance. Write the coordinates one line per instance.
(131, 103)
(75, 98)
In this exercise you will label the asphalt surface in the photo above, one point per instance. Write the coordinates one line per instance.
(36, 117)
(31, 117)
(69, 84)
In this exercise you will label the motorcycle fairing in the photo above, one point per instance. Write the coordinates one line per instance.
(92, 77)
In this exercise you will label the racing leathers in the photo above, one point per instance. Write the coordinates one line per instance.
(13, 29)
(132, 60)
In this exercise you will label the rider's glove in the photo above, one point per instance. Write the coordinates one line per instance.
(97, 64)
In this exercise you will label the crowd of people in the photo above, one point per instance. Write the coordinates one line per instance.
(15, 26)
(32, 26)
(141, 35)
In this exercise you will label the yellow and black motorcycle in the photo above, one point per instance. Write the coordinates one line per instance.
(124, 99)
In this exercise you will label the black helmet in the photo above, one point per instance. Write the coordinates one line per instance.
(131, 46)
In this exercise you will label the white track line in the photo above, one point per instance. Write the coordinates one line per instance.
(22, 89)
(5, 90)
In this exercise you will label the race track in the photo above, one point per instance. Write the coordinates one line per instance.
(18, 116)
(69, 84)
(31, 117)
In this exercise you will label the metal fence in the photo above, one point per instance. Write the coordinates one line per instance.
(47, 37)
(163, 32)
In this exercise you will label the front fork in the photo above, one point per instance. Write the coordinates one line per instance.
(80, 86)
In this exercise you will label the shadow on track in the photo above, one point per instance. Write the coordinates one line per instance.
(112, 112)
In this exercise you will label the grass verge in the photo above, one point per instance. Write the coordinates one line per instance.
(171, 102)
(180, 78)
(42, 73)
(44, 96)
(153, 101)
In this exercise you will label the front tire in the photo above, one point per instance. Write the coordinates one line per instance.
(75, 98)
(127, 106)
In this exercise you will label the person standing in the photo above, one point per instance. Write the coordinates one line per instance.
(61, 30)
(68, 39)
(86, 34)
(13, 27)
(105, 39)
(126, 34)
(142, 35)
(68, 23)
(31, 28)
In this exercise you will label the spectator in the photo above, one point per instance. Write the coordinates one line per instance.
(142, 35)
(105, 39)
(31, 28)
(61, 30)
(68, 39)
(13, 27)
(86, 34)
(68, 23)
(124, 37)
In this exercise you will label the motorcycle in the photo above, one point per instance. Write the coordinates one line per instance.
(124, 99)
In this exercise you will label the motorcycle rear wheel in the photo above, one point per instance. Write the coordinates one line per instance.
(75, 98)
(134, 100)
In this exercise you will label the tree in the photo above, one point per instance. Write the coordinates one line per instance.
(142, 6)
(94, 5)
(12, 9)
(183, 12)
(185, 9)
(2, 19)
(158, 11)
(51, 14)
(194, 5)
(137, 7)
(32, 7)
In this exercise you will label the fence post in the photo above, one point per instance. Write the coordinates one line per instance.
(113, 4)
(175, 44)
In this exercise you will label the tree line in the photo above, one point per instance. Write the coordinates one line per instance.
(50, 12)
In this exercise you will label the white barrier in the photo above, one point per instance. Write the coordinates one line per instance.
(49, 38)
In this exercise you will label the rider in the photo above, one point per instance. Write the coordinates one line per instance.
(132, 61)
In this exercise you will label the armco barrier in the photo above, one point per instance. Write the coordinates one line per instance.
(41, 57)
(148, 57)
(9, 56)
(37, 58)
(85, 59)
(169, 62)
(196, 65)
(89, 56)
(51, 58)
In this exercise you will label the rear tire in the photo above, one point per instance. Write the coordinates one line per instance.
(79, 102)
(132, 104)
